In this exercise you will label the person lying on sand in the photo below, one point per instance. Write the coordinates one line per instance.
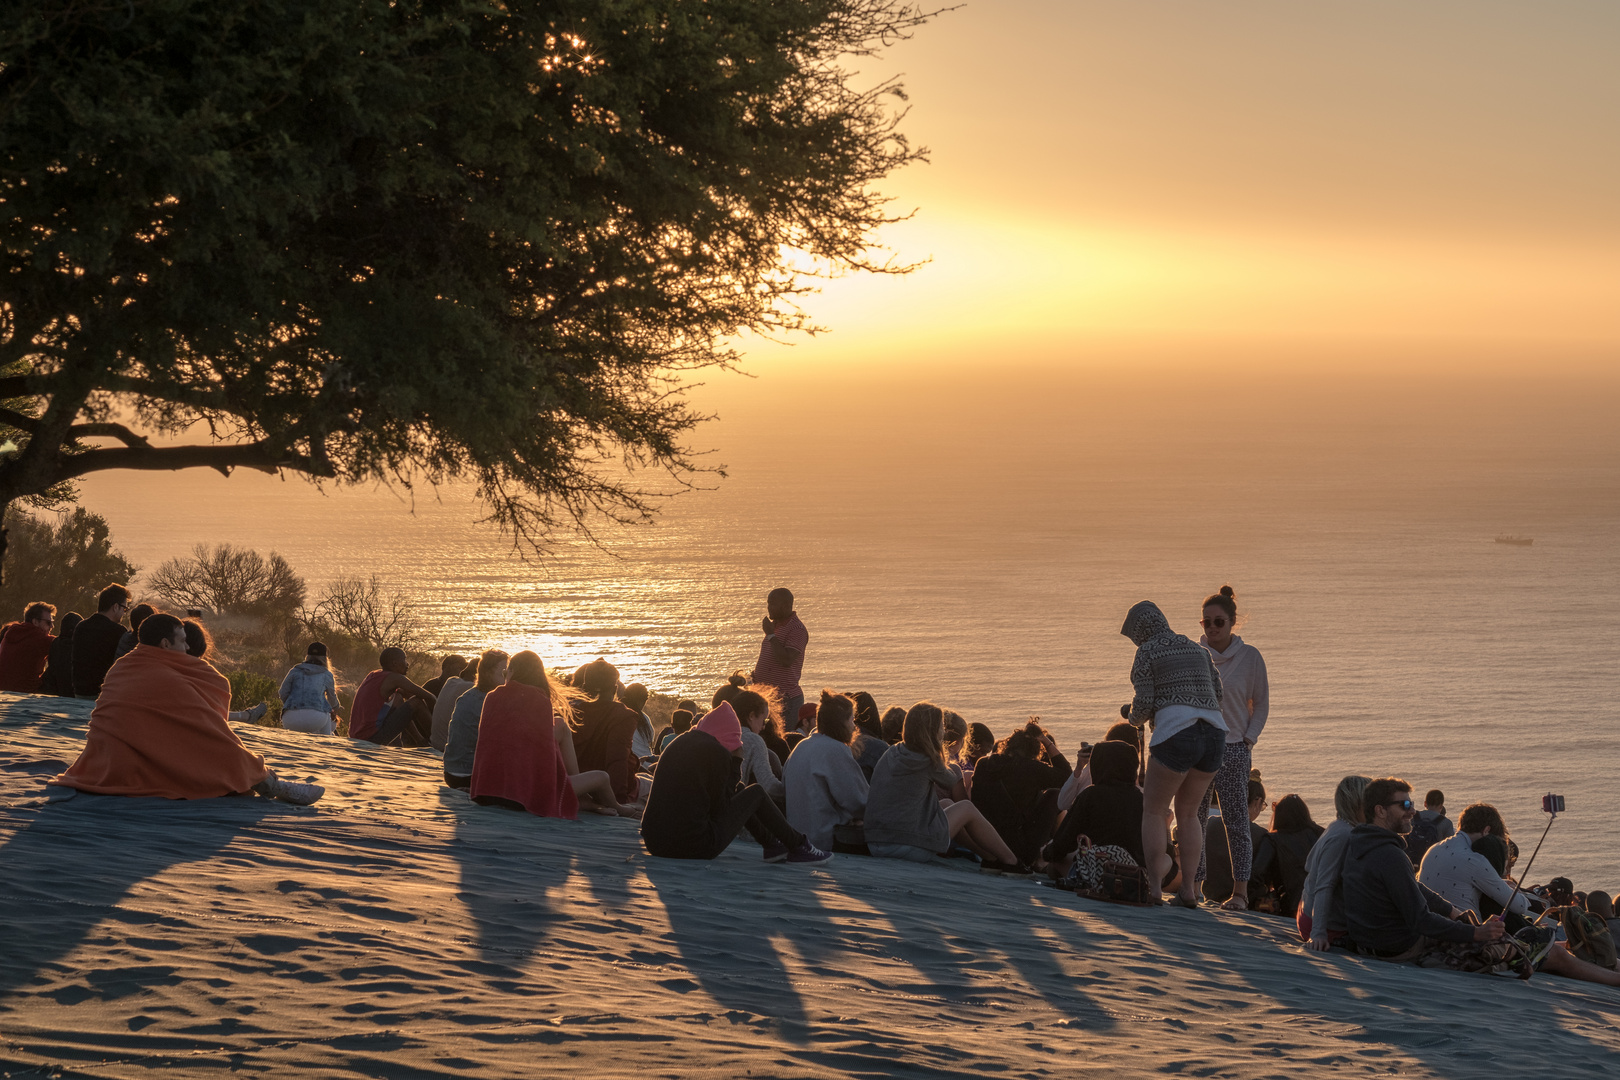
(695, 807)
(159, 729)
(525, 755)
(1392, 917)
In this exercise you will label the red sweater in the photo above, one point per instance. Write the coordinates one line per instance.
(24, 648)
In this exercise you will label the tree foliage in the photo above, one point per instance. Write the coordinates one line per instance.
(417, 239)
(229, 579)
(65, 562)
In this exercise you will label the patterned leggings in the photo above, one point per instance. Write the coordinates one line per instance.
(1232, 785)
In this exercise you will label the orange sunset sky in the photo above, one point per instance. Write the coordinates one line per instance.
(1269, 179)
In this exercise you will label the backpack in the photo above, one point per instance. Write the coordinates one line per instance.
(1589, 937)
(1424, 835)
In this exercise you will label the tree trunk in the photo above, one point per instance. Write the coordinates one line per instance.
(4, 507)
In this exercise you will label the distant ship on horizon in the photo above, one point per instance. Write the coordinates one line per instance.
(1516, 541)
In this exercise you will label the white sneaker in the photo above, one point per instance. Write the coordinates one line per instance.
(274, 787)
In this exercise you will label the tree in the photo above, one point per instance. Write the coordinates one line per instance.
(230, 579)
(65, 562)
(363, 610)
(415, 240)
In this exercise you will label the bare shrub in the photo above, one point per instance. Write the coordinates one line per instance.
(225, 578)
(361, 609)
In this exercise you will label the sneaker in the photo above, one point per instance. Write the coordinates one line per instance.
(274, 787)
(808, 853)
(255, 714)
(776, 851)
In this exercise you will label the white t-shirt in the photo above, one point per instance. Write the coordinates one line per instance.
(1172, 720)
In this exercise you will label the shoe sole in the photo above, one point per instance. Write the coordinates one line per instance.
(809, 862)
(774, 859)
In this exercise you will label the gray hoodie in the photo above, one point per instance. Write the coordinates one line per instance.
(901, 807)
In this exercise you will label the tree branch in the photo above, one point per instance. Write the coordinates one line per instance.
(180, 395)
(262, 456)
(107, 430)
(20, 421)
(16, 386)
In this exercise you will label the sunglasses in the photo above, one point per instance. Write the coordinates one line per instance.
(1404, 804)
(1213, 624)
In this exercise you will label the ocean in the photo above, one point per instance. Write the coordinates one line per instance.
(974, 537)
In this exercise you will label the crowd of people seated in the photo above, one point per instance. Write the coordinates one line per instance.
(1386, 878)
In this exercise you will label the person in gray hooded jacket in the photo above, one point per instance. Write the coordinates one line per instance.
(905, 819)
(1179, 692)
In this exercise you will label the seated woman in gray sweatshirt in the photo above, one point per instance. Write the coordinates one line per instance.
(1321, 906)
(904, 817)
(825, 785)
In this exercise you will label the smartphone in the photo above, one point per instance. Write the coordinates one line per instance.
(1552, 804)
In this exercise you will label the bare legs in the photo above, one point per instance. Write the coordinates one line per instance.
(1560, 961)
(969, 827)
(595, 792)
(1186, 790)
(593, 789)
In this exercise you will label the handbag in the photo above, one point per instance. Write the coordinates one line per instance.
(1108, 872)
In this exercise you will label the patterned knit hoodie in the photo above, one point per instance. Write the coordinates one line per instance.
(1170, 669)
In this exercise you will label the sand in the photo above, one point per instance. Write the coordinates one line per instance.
(395, 929)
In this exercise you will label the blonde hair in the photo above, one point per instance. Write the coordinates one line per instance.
(1347, 799)
(925, 724)
(527, 668)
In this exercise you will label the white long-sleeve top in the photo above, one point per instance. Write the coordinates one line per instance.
(1246, 695)
(756, 765)
(825, 788)
(1462, 875)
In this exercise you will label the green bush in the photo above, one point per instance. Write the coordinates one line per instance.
(63, 559)
(248, 688)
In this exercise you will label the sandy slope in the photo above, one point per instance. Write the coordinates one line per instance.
(398, 930)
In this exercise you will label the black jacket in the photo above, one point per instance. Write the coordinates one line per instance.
(1218, 861)
(95, 647)
(1288, 868)
(691, 794)
(1384, 906)
(1007, 790)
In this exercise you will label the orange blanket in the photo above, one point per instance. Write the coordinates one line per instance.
(159, 728)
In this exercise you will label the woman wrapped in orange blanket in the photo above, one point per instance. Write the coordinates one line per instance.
(525, 758)
(159, 728)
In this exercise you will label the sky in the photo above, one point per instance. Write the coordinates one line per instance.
(1376, 183)
(1322, 211)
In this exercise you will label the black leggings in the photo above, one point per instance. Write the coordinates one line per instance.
(750, 808)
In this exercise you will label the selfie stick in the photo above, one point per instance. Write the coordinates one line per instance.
(1517, 889)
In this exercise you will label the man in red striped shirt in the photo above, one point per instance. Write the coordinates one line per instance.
(781, 654)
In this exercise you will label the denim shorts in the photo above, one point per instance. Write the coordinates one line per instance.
(1200, 747)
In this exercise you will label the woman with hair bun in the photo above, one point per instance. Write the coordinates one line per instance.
(1245, 703)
